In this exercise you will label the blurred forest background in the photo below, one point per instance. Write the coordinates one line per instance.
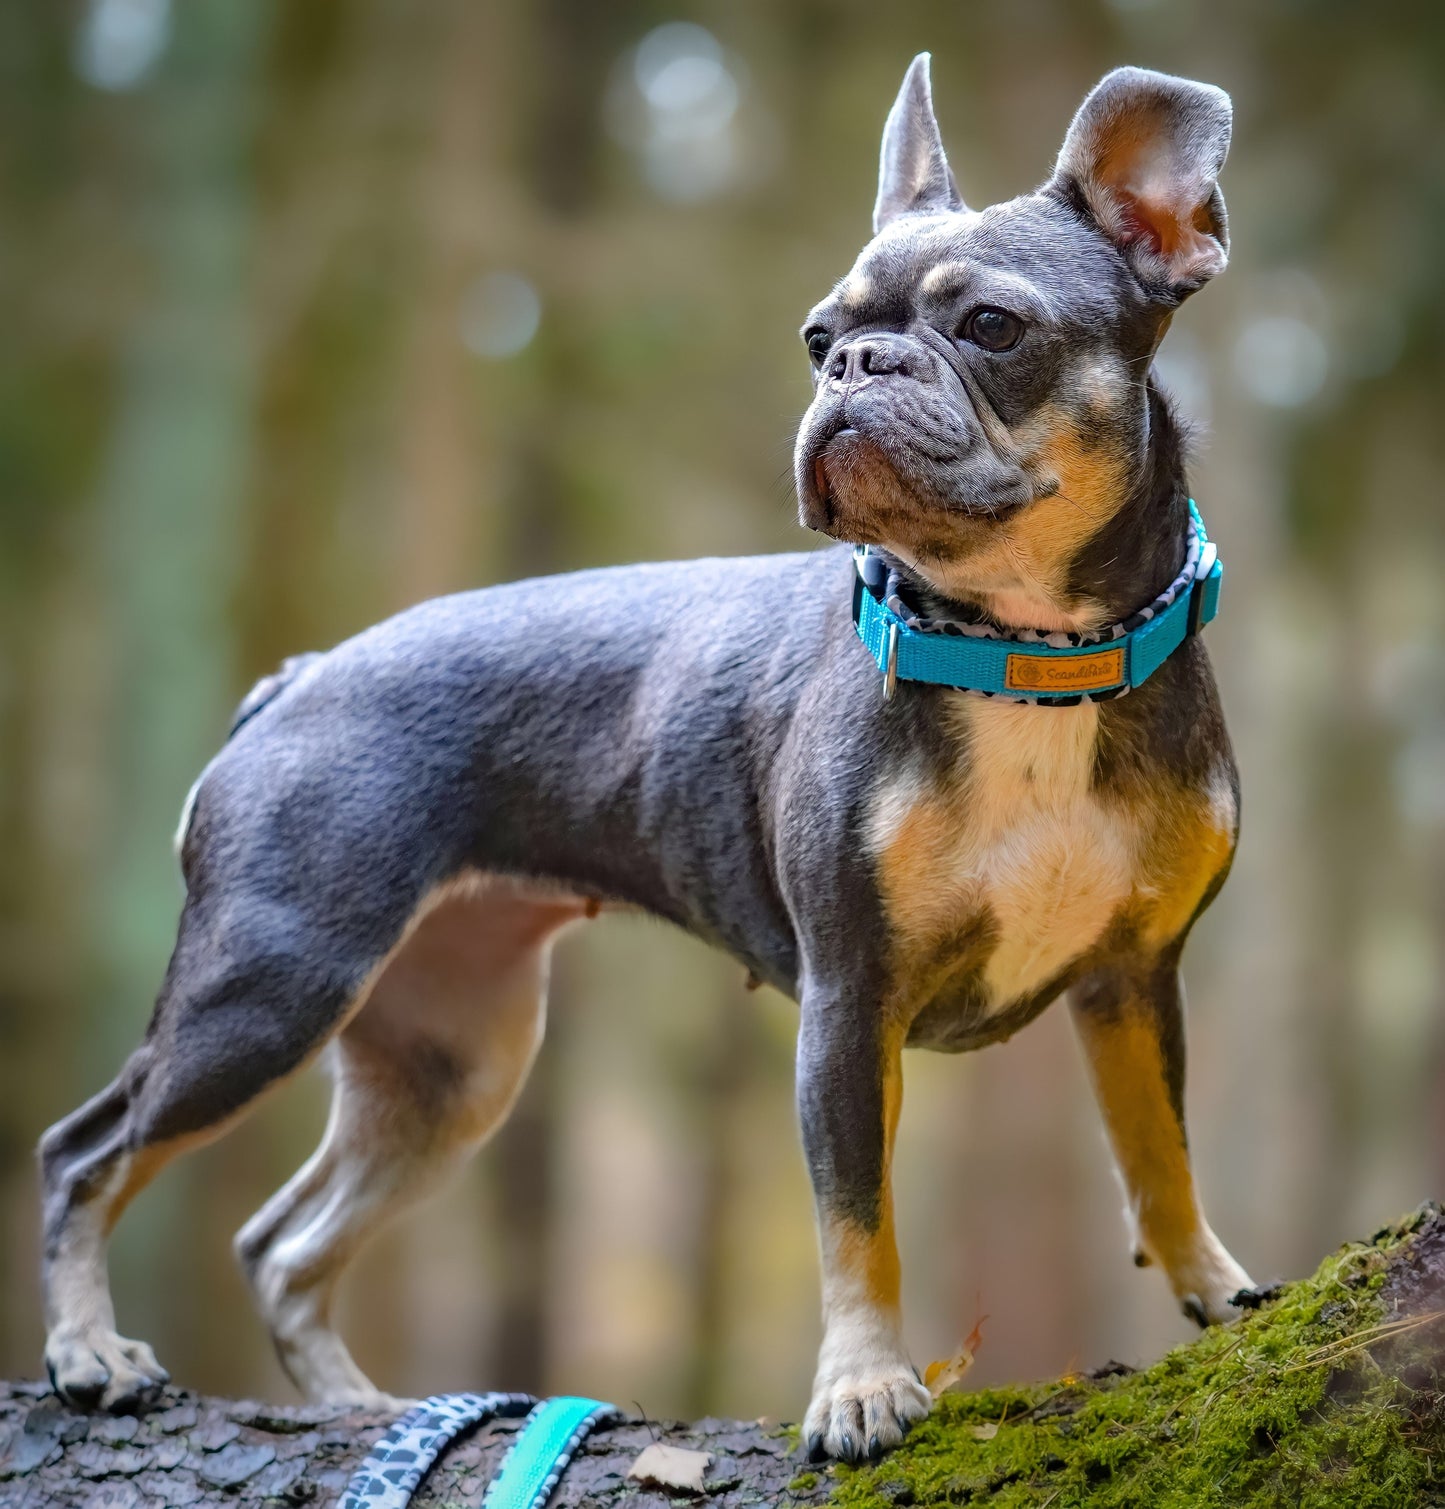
(315, 309)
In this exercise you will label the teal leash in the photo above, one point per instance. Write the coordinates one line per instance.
(542, 1450)
(547, 1442)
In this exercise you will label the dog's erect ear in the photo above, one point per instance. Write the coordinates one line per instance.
(1142, 161)
(913, 173)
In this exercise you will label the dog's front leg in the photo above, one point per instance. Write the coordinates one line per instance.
(1131, 1025)
(850, 1086)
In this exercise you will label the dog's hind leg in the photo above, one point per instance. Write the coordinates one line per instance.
(430, 1065)
(84, 1171)
(255, 987)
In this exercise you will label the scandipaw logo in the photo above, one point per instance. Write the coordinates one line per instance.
(1071, 673)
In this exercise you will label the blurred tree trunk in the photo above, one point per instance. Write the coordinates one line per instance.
(724, 1069)
(436, 523)
(560, 117)
(169, 501)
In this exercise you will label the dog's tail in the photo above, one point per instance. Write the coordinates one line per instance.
(265, 692)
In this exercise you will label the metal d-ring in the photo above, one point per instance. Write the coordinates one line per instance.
(890, 674)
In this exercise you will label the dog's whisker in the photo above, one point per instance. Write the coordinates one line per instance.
(1074, 503)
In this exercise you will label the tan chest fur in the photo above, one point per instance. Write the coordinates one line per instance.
(1018, 833)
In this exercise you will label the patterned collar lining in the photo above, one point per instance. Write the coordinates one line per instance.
(1059, 639)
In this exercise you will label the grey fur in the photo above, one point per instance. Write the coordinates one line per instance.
(913, 172)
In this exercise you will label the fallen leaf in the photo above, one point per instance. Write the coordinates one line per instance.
(939, 1377)
(985, 1432)
(662, 1466)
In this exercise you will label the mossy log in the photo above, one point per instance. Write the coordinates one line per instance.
(1329, 1393)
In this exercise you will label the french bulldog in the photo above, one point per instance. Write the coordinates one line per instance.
(925, 781)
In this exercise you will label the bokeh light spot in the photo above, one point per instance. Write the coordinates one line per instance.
(501, 313)
(121, 41)
(674, 103)
(1281, 360)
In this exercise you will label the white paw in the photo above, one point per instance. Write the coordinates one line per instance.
(1206, 1295)
(1213, 1309)
(857, 1415)
(98, 1369)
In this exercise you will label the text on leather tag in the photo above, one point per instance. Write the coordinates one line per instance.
(1064, 673)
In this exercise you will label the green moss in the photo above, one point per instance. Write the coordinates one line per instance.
(805, 1482)
(1285, 1406)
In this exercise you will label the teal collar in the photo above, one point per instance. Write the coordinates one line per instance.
(1059, 670)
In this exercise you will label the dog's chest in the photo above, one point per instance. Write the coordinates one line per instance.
(1010, 858)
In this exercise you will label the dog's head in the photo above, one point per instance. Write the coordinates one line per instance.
(980, 405)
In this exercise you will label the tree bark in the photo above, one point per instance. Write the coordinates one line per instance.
(1335, 1383)
(194, 1450)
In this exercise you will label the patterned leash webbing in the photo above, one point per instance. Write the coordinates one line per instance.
(530, 1471)
(400, 1459)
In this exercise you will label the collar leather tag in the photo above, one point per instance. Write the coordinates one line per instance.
(1073, 673)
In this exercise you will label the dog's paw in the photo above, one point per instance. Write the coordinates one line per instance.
(1208, 1295)
(96, 1369)
(1213, 1310)
(855, 1416)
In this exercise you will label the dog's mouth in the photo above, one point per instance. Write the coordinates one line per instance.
(830, 468)
(849, 475)
(861, 494)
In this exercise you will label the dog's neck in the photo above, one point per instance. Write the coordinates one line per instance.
(1119, 569)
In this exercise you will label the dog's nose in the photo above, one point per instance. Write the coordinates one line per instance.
(869, 356)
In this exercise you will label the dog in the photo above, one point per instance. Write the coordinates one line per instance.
(794, 757)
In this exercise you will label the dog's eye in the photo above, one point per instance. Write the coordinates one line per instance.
(993, 329)
(818, 342)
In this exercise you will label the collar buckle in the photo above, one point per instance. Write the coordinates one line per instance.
(1208, 556)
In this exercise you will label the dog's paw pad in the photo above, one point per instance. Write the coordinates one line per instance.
(854, 1418)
